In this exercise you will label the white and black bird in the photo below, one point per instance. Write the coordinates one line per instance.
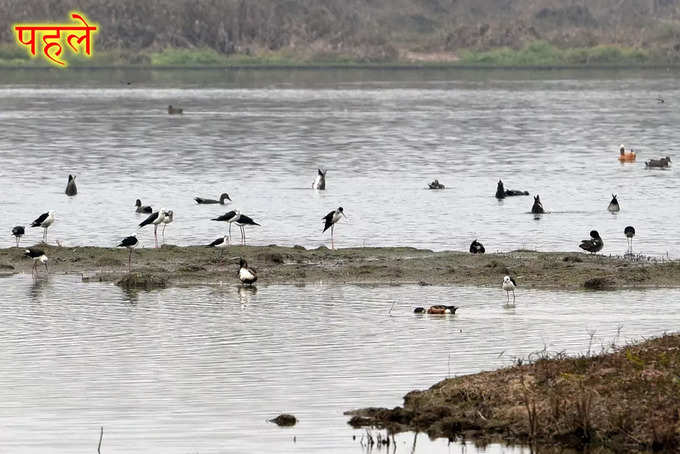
(629, 231)
(71, 188)
(44, 220)
(509, 285)
(477, 248)
(18, 231)
(242, 221)
(38, 256)
(537, 207)
(154, 218)
(594, 244)
(167, 219)
(142, 208)
(614, 204)
(129, 242)
(246, 275)
(329, 222)
(222, 201)
(220, 243)
(320, 180)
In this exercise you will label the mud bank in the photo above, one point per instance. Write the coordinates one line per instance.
(190, 265)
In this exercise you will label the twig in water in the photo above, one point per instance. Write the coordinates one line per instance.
(101, 435)
(390, 312)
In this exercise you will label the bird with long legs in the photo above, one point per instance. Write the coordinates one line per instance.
(242, 221)
(167, 219)
(629, 231)
(330, 220)
(154, 218)
(509, 285)
(129, 242)
(230, 217)
(44, 220)
(220, 243)
(222, 201)
(246, 275)
(38, 256)
(18, 231)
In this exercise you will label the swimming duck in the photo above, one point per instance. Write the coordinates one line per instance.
(502, 193)
(436, 309)
(224, 196)
(614, 204)
(175, 110)
(71, 188)
(663, 162)
(594, 244)
(142, 208)
(436, 185)
(477, 248)
(246, 275)
(623, 156)
(537, 207)
(320, 180)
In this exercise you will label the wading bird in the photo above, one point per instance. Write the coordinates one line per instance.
(71, 188)
(594, 244)
(329, 222)
(38, 255)
(242, 221)
(509, 285)
(129, 242)
(246, 275)
(167, 219)
(224, 196)
(142, 208)
(629, 231)
(154, 218)
(320, 180)
(18, 231)
(221, 243)
(477, 248)
(230, 217)
(44, 220)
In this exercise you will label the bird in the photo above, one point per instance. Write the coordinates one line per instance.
(537, 207)
(502, 193)
(129, 242)
(174, 110)
(167, 219)
(659, 100)
(18, 231)
(224, 196)
(594, 244)
(142, 208)
(320, 180)
(614, 204)
(242, 221)
(329, 221)
(663, 162)
(71, 188)
(509, 285)
(154, 218)
(477, 248)
(436, 309)
(629, 231)
(44, 220)
(38, 255)
(221, 243)
(436, 185)
(246, 275)
(230, 217)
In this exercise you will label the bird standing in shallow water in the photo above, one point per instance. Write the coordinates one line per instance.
(224, 196)
(246, 275)
(230, 217)
(614, 205)
(44, 220)
(320, 180)
(329, 221)
(129, 242)
(71, 188)
(242, 221)
(18, 231)
(477, 248)
(629, 231)
(594, 244)
(167, 219)
(142, 208)
(154, 218)
(38, 255)
(509, 285)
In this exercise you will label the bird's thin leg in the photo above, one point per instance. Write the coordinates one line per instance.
(332, 244)
(155, 233)
(45, 235)
(230, 231)
(47, 271)
(17, 241)
(130, 261)
(163, 232)
(507, 294)
(513, 296)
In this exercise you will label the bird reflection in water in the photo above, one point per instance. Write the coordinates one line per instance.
(245, 294)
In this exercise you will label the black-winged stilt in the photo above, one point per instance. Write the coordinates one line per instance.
(129, 242)
(614, 204)
(509, 285)
(320, 180)
(38, 255)
(224, 196)
(246, 275)
(477, 248)
(594, 244)
(142, 208)
(230, 217)
(18, 231)
(174, 110)
(154, 218)
(242, 221)
(329, 222)
(44, 220)
(221, 243)
(537, 207)
(167, 219)
(629, 231)
(71, 188)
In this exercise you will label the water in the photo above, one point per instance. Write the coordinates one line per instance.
(383, 135)
(186, 370)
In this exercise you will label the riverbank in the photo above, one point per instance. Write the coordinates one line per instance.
(191, 265)
(624, 401)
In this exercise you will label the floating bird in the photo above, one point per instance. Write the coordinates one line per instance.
(663, 162)
(142, 208)
(502, 193)
(246, 275)
(436, 185)
(224, 196)
(614, 204)
(509, 285)
(320, 180)
(329, 222)
(71, 188)
(477, 248)
(230, 217)
(242, 221)
(436, 309)
(18, 231)
(221, 243)
(537, 207)
(623, 156)
(629, 231)
(38, 255)
(154, 218)
(660, 100)
(174, 110)
(594, 244)
(44, 220)
(129, 242)
(167, 219)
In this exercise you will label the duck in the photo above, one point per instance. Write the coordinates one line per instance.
(436, 185)
(174, 110)
(614, 204)
(477, 248)
(71, 188)
(246, 275)
(663, 162)
(224, 196)
(537, 207)
(623, 156)
(18, 231)
(436, 309)
(320, 180)
(594, 244)
(142, 208)
(502, 193)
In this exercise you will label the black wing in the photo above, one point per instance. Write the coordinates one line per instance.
(217, 242)
(149, 220)
(40, 220)
(147, 209)
(34, 252)
(513, 281)
(328, 220)
(128, 241)
(226, 216)
(18, 230)
(246, 220)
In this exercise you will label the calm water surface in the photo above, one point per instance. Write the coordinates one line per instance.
(383, 135)
(187, 370)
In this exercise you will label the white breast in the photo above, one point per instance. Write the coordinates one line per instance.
(245, 275)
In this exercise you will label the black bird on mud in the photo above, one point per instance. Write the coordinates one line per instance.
(129, 242)
(594, 244)
(477, 248)
(38, 255)
(329, 222)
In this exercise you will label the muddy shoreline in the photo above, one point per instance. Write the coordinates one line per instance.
(196, 265)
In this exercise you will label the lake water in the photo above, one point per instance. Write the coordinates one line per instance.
(201, 369)
(382, 135)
